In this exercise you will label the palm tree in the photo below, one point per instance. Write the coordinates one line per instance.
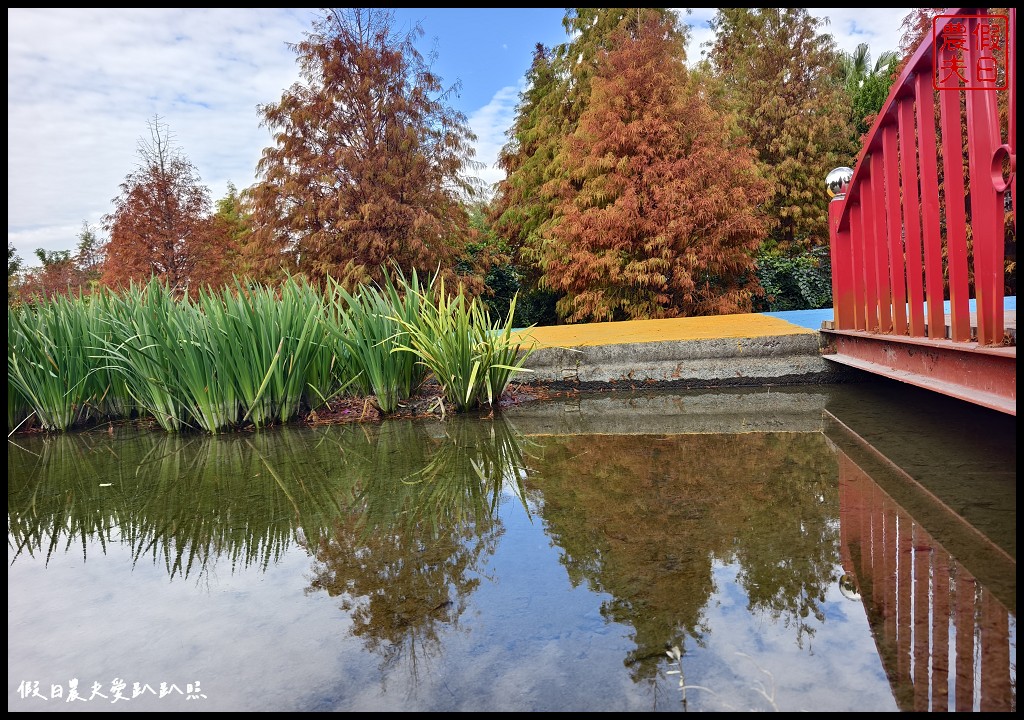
(857, 66)
(867, 84)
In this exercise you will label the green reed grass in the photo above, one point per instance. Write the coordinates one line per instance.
(371, 324)
(114, 400)
(18, 408)
(471, 356)
(272, 348)
(144, 349)
(249, 355)
(49, 360)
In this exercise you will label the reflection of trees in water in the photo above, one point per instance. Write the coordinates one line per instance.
(407, 555)
(788, 543)
(643, 518)
(400, 585)
(398, 517)
(187, 501)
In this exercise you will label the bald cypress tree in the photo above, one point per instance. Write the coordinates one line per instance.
(656, 210)
(557, 92)
(367, 166)
(159, 226)
(520, 207)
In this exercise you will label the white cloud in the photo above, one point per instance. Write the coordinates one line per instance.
(700, 31)
(83, 85)
(489, 124)
(880, 28)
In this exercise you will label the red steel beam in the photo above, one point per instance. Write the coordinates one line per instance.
(979, 374)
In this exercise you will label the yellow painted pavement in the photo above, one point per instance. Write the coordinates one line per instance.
(644, 331)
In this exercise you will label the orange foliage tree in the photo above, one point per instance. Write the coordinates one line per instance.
(57, 274)
(160, 225)
(60, 272)
(657, 193)
(557, 91)
(367, 166)
(915, 27)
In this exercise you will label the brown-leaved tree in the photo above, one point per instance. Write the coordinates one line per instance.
(160, 223)
(557, 92)
(658, 194)
(367, 166)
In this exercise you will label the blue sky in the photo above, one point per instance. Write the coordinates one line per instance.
(83, 83)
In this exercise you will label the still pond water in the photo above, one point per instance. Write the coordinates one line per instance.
(809, 549)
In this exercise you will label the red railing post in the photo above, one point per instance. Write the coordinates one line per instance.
(931, 226)
(870, 230)
(883, 287)
(840, 250)
(894, 230)
(983, 139)
(1011, 80)
(911, 216)
(954, 196)
(859, 270)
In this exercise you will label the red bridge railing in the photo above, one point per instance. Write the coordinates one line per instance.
(922, 218)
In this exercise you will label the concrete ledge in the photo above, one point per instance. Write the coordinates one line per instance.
(728, 362)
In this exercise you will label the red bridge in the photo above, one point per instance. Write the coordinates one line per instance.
(919, 228)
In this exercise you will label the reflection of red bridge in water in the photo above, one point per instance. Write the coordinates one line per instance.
(942, 629)
(917, 227)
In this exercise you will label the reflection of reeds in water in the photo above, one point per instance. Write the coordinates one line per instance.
(183, 501)
(186, 501)
(456, 479)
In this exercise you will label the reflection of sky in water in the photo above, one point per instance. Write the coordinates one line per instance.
(528, 640)
(837, 669)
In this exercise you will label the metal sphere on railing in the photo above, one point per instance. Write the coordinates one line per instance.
(848, 588)
(838, 182)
